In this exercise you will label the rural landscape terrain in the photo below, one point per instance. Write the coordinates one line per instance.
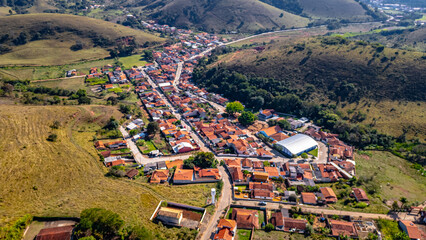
(213, 119)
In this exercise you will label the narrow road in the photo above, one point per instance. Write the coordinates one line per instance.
(132, 145)
(321, 210)
(223, 202)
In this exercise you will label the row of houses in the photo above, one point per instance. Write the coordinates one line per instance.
(161, 172)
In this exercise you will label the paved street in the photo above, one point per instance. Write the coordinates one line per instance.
(223, 202)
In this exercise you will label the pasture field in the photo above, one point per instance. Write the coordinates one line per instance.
(394, 176)
(49, 72)
(48, 52)
(62, 178)
(134, 60)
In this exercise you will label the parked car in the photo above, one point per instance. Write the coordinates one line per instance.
(262, 203)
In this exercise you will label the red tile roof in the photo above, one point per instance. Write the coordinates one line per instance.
(56, 233)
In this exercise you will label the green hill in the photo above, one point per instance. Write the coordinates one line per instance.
(55, 39)
(242, 15)
(344, 9)
(368, 83)
(411, 38)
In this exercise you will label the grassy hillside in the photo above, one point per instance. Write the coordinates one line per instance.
(344, 9)
(394, 176)
(62, 178)
(46, 39)
(374, 71)
(412, 38)
(242, 15)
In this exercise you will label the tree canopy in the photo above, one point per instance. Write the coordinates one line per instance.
(202, 160)
(234, 107)
(100, 223)
(247, 118)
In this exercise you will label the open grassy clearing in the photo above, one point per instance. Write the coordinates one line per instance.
(4, 11)
(391, 117)
(343, 9)
(243, 234)
(134, 60)
(394, 175)
(64, 177)
(69, 84)
(48, 52)
(49, 72)
(292, 35)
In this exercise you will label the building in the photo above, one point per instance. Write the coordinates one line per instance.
(342, 228)
(260, 176)
(183, 176)
(170, 216)
(227, 229)
(272, 172)
(297, 144)
(294, 225)
(246, 218)
(360, 195)
(277, 220)
(132, 173)
(329, 195)
(55, 233)
(309, 198)
(159, 176)
(411, 230)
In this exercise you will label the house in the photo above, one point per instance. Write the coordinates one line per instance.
(277, 220)
(411, 230)
(272, 172)
(287, 195)
(236, 174)
(132, 173)
(183, 147)
(176, 163)
(262, 194)
(247, 164)
(159, 176)
(161, 165)
(260, 176)
(246, 218)
(170, 216)
(360, 195)
(266, 114)
(329, 195)
(183, 176)
(294, 225)
(227, 229)
(261, 185)
(55, 233)
(342, 228)
(267, 132)
(209, 173)
(309, 198)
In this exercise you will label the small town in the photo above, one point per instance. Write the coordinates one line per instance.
(277, 176)
(264, 171)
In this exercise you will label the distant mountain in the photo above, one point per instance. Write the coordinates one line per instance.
(223, 15)
(250, 15)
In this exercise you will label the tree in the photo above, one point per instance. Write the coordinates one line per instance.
(7, 88)
(84, 100)
(304, 155)
(52, 137)
(269, 227)
(148, 55)
(102, 223)
(202, 160)
(292, 198)
(395, 206)
(309, 230)
(133, 132)
(112, 124)
(403, 201)
(152, 128)
(284, 124)
(266, 164)
(117, 171)
(247, 118)
(234, 107)
(112, 100)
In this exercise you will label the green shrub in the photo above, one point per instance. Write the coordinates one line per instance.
(269, 227)
(16, 231)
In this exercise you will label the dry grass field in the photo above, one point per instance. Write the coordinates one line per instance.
(48, 52)
(392, 117)
(394, 175)
(64, 177)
